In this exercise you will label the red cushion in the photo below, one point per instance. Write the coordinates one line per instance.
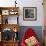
(29, 33)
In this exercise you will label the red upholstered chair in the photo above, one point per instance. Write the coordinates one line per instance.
(28, 34)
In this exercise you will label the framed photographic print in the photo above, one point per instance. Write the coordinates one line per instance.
(30, 13)
(5, 12)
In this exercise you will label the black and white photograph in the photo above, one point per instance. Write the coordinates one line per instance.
(29, 13)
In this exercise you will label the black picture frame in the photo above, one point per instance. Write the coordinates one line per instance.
(29, 13)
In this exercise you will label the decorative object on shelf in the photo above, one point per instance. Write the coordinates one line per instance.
(7, 34)
(15, 34)
(15, 3)
(6, 21)
(30, 13)
(13, 12)
(15, 37)
(15, 30)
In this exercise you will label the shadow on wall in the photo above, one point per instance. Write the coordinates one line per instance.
(37, 29)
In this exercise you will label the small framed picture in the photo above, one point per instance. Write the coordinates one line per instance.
(30, 13)
(5, 12)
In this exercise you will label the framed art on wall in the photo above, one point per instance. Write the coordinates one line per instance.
(30, 13)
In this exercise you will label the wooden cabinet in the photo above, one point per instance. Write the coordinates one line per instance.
(9, 27)
(6, 12)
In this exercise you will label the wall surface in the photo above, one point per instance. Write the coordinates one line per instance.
(32, 3)
(26, 3)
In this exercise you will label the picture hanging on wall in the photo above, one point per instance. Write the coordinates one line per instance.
(30, 13)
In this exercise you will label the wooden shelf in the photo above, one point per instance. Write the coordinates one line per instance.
(11, 26)
(8, 7)
(9, 43)
(4, 12)
(9, 10)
